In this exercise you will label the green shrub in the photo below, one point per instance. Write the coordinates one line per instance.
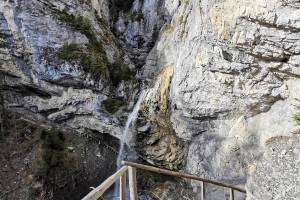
(119, 71)
(112, 105)
(95, 61)
(52, 151)
(93, 58)
(79, 23)
(69, 52)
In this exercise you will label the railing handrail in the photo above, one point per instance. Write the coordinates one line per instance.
(131, 167)
(181, 175)
(96, 193)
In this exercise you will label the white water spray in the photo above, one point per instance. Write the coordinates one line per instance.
(129, 123)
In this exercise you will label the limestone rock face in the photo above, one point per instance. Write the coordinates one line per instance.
(221, 77)
(32, 35)
(137, 24)
(282, 181)
(235, 78)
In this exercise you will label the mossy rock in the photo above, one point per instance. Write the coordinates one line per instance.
(112, 105)
(70, 52)
(78, 23)
(119, 71)
(83, 25)
(92, 58)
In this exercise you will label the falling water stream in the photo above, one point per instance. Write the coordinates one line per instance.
(129, 123)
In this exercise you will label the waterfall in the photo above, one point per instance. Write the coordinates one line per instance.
(129, 123)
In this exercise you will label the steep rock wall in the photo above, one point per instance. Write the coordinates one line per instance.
(223, 76)
(50, 88)
(235, 80)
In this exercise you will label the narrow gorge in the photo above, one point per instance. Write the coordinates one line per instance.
(209, 88)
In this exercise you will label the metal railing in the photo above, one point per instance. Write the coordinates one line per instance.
(131, 167)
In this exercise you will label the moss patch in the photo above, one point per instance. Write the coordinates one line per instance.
(70, 52)
(90, 58)
(119, 71)
(112, 105)
(79, 23)
(93, 58)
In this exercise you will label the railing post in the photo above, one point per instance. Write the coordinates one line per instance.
(202, 196)
(97, 192)
(231, 194)
(123, 187)
(132, 183)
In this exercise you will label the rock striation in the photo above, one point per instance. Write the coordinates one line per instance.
(222, 79)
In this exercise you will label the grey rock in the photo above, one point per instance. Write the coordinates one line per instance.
(222, 77)
(276, 174)
(234, 80)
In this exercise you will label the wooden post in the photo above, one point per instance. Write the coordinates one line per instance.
(231, 194)
(132, 183)
(96, 193)
(202, 195)
(181, 175)
(123, 187)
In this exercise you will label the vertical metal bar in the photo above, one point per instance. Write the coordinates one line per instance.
(132, 183)
(123, 187)
(231, 194)
(202, 195)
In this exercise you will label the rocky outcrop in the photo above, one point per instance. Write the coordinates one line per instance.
(137, 23)
(234, 81)
(276, 175)
(60, 65)
(50, 86)
(222, 77)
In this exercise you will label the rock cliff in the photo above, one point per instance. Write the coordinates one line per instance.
(221, 77)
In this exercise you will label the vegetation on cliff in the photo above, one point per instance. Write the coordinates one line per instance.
(92, 56)
(54, 156)
(112, 105)
(52, 151)
(119, 71)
